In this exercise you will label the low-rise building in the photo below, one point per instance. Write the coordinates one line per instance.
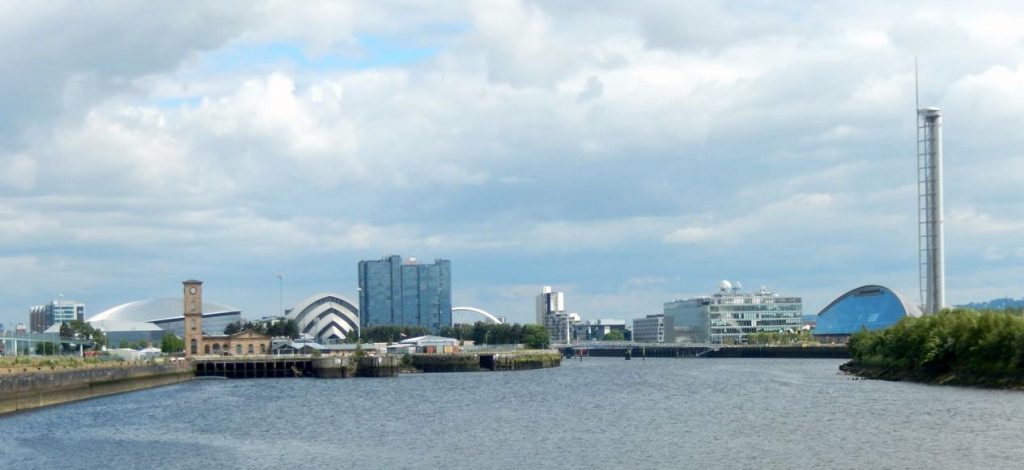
(728, 316)
(430, 344)
(654, 329)
(243, 343)
(594, 330)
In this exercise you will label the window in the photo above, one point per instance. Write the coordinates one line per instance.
(250, 349)
(238, 349)
(194, 347)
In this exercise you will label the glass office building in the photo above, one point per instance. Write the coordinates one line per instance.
(870, 307)
(42, 317)
(730, 315)
(397, 292)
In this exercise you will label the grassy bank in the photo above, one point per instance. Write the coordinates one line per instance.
(959, 346)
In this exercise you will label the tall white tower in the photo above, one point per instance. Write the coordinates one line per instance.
(929, 210)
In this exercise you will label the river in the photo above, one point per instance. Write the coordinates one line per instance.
(595, 413)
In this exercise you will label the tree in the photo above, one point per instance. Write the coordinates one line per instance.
(614, 335)
(536, 337)
(172, 344)
(83, 331)
(286, 327)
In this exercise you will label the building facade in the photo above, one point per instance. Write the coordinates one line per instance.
(327, 318)
(397, 292)
(44, 316)
(654, 329)
(594, 330)
(728, 316)
(551, 313)
(193, 301)
(243, 343)
(870, 307)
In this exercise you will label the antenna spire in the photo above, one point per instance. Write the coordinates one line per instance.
(917, 94)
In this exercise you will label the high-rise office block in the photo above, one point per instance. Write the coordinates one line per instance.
(551, 313)
(44, 316)
(397, 292)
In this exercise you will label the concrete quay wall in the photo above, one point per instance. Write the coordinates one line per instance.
(683, 351)
(26, 391)
(475, 362)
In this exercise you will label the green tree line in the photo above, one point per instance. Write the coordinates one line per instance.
(955, 340)
(388, 333)
(532, 336)
(276, 328)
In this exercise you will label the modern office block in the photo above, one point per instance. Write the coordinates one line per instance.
(397, 292)
(654, 329)
(730, 315)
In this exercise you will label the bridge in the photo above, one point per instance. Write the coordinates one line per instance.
(700, 350)
(487, 315)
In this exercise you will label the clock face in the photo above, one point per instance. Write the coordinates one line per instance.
(191, 290)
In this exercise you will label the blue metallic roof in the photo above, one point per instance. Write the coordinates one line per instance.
(872, 307)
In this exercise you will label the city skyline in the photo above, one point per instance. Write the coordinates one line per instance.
(628, 156)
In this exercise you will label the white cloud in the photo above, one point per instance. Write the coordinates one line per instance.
(531, 134)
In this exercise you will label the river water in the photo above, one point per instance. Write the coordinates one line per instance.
(598, 413)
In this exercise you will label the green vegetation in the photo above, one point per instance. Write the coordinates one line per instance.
(959, 346)
(533, 336)
(276, 328)
(21, 362)
(536, 337)
(83, 331)
(172, 344)
(614, 336)
(780, 338)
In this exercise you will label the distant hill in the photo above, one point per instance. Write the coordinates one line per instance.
(996, 304)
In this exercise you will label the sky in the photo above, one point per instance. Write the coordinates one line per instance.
(627, 153)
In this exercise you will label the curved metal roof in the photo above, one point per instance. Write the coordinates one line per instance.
(154, 309)
(872, 307)
(325, 316)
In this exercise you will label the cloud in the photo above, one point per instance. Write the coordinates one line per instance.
(597, 144)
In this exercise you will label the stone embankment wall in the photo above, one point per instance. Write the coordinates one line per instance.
(526, 361)
(520, 360)
(28, 390)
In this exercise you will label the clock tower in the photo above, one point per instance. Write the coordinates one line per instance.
(193, 317)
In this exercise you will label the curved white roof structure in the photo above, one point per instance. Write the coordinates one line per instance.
(487, 316)
(326, 316)
(154, 309)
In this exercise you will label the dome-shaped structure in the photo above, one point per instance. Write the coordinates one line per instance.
(150, 310)
(872, 307)
(326, 317)
(167, 314)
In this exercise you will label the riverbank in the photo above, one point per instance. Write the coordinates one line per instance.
(30, 389)
(29, 385)
(934, 377)
(954, 347)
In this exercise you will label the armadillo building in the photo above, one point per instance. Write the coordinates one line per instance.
(329, 318)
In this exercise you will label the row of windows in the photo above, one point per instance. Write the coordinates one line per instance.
(216, 348)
